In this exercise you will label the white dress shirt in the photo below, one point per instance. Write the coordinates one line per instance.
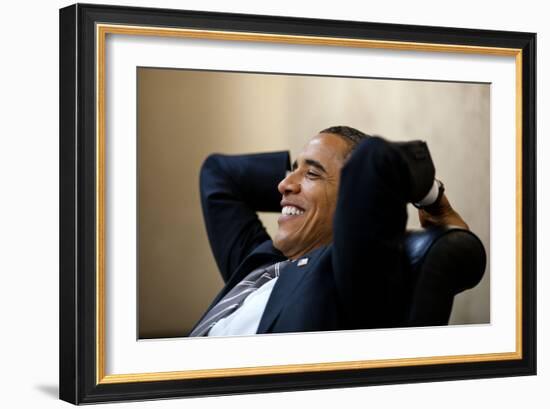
(246, 319)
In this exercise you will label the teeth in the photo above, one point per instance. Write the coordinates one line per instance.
(291, 211)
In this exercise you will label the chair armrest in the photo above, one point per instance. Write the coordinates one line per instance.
(444, 261)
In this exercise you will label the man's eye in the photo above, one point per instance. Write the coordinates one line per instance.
(312, 174)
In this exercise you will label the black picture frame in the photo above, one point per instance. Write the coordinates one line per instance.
(79, 380)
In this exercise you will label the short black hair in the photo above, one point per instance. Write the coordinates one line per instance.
(351, 135)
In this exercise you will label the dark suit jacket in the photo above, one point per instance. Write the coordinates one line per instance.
(337, 288)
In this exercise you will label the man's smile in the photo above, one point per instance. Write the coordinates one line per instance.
(292, 211)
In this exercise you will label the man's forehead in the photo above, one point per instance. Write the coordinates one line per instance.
(328, 149)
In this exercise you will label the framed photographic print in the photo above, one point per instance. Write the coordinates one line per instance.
(197, 143)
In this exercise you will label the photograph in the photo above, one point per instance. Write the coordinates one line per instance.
(234, 163)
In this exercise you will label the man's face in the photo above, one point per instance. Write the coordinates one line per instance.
(309, 196)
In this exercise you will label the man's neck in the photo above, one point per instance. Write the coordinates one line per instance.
(295, 255)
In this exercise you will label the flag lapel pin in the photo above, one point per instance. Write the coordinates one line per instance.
(302, 262)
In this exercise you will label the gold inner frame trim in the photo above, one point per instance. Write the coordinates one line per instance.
(519, 204)
(101, 32)
(284, 369)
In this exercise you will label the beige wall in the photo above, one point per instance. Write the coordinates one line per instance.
(185, 115)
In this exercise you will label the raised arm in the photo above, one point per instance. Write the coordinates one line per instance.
(233, 188)
(370, 220)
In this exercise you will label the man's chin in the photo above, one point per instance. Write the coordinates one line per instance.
(278, 243)
(282, 242)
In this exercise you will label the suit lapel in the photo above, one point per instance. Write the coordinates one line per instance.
(287, 282)
(289, 279)
(265, 253)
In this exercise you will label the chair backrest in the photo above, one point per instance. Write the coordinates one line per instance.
(444, 261)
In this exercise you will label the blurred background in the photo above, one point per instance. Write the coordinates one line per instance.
(184, 115)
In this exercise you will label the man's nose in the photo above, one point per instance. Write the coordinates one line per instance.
(289, 184)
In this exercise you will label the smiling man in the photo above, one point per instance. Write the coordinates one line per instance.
(336, 261)
(309, 194)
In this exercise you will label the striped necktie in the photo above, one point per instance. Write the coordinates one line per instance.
(236, 296)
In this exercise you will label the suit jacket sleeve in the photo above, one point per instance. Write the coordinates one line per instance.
(233, 188)
(369, 223)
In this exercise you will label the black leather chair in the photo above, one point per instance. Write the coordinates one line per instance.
(444, 261)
